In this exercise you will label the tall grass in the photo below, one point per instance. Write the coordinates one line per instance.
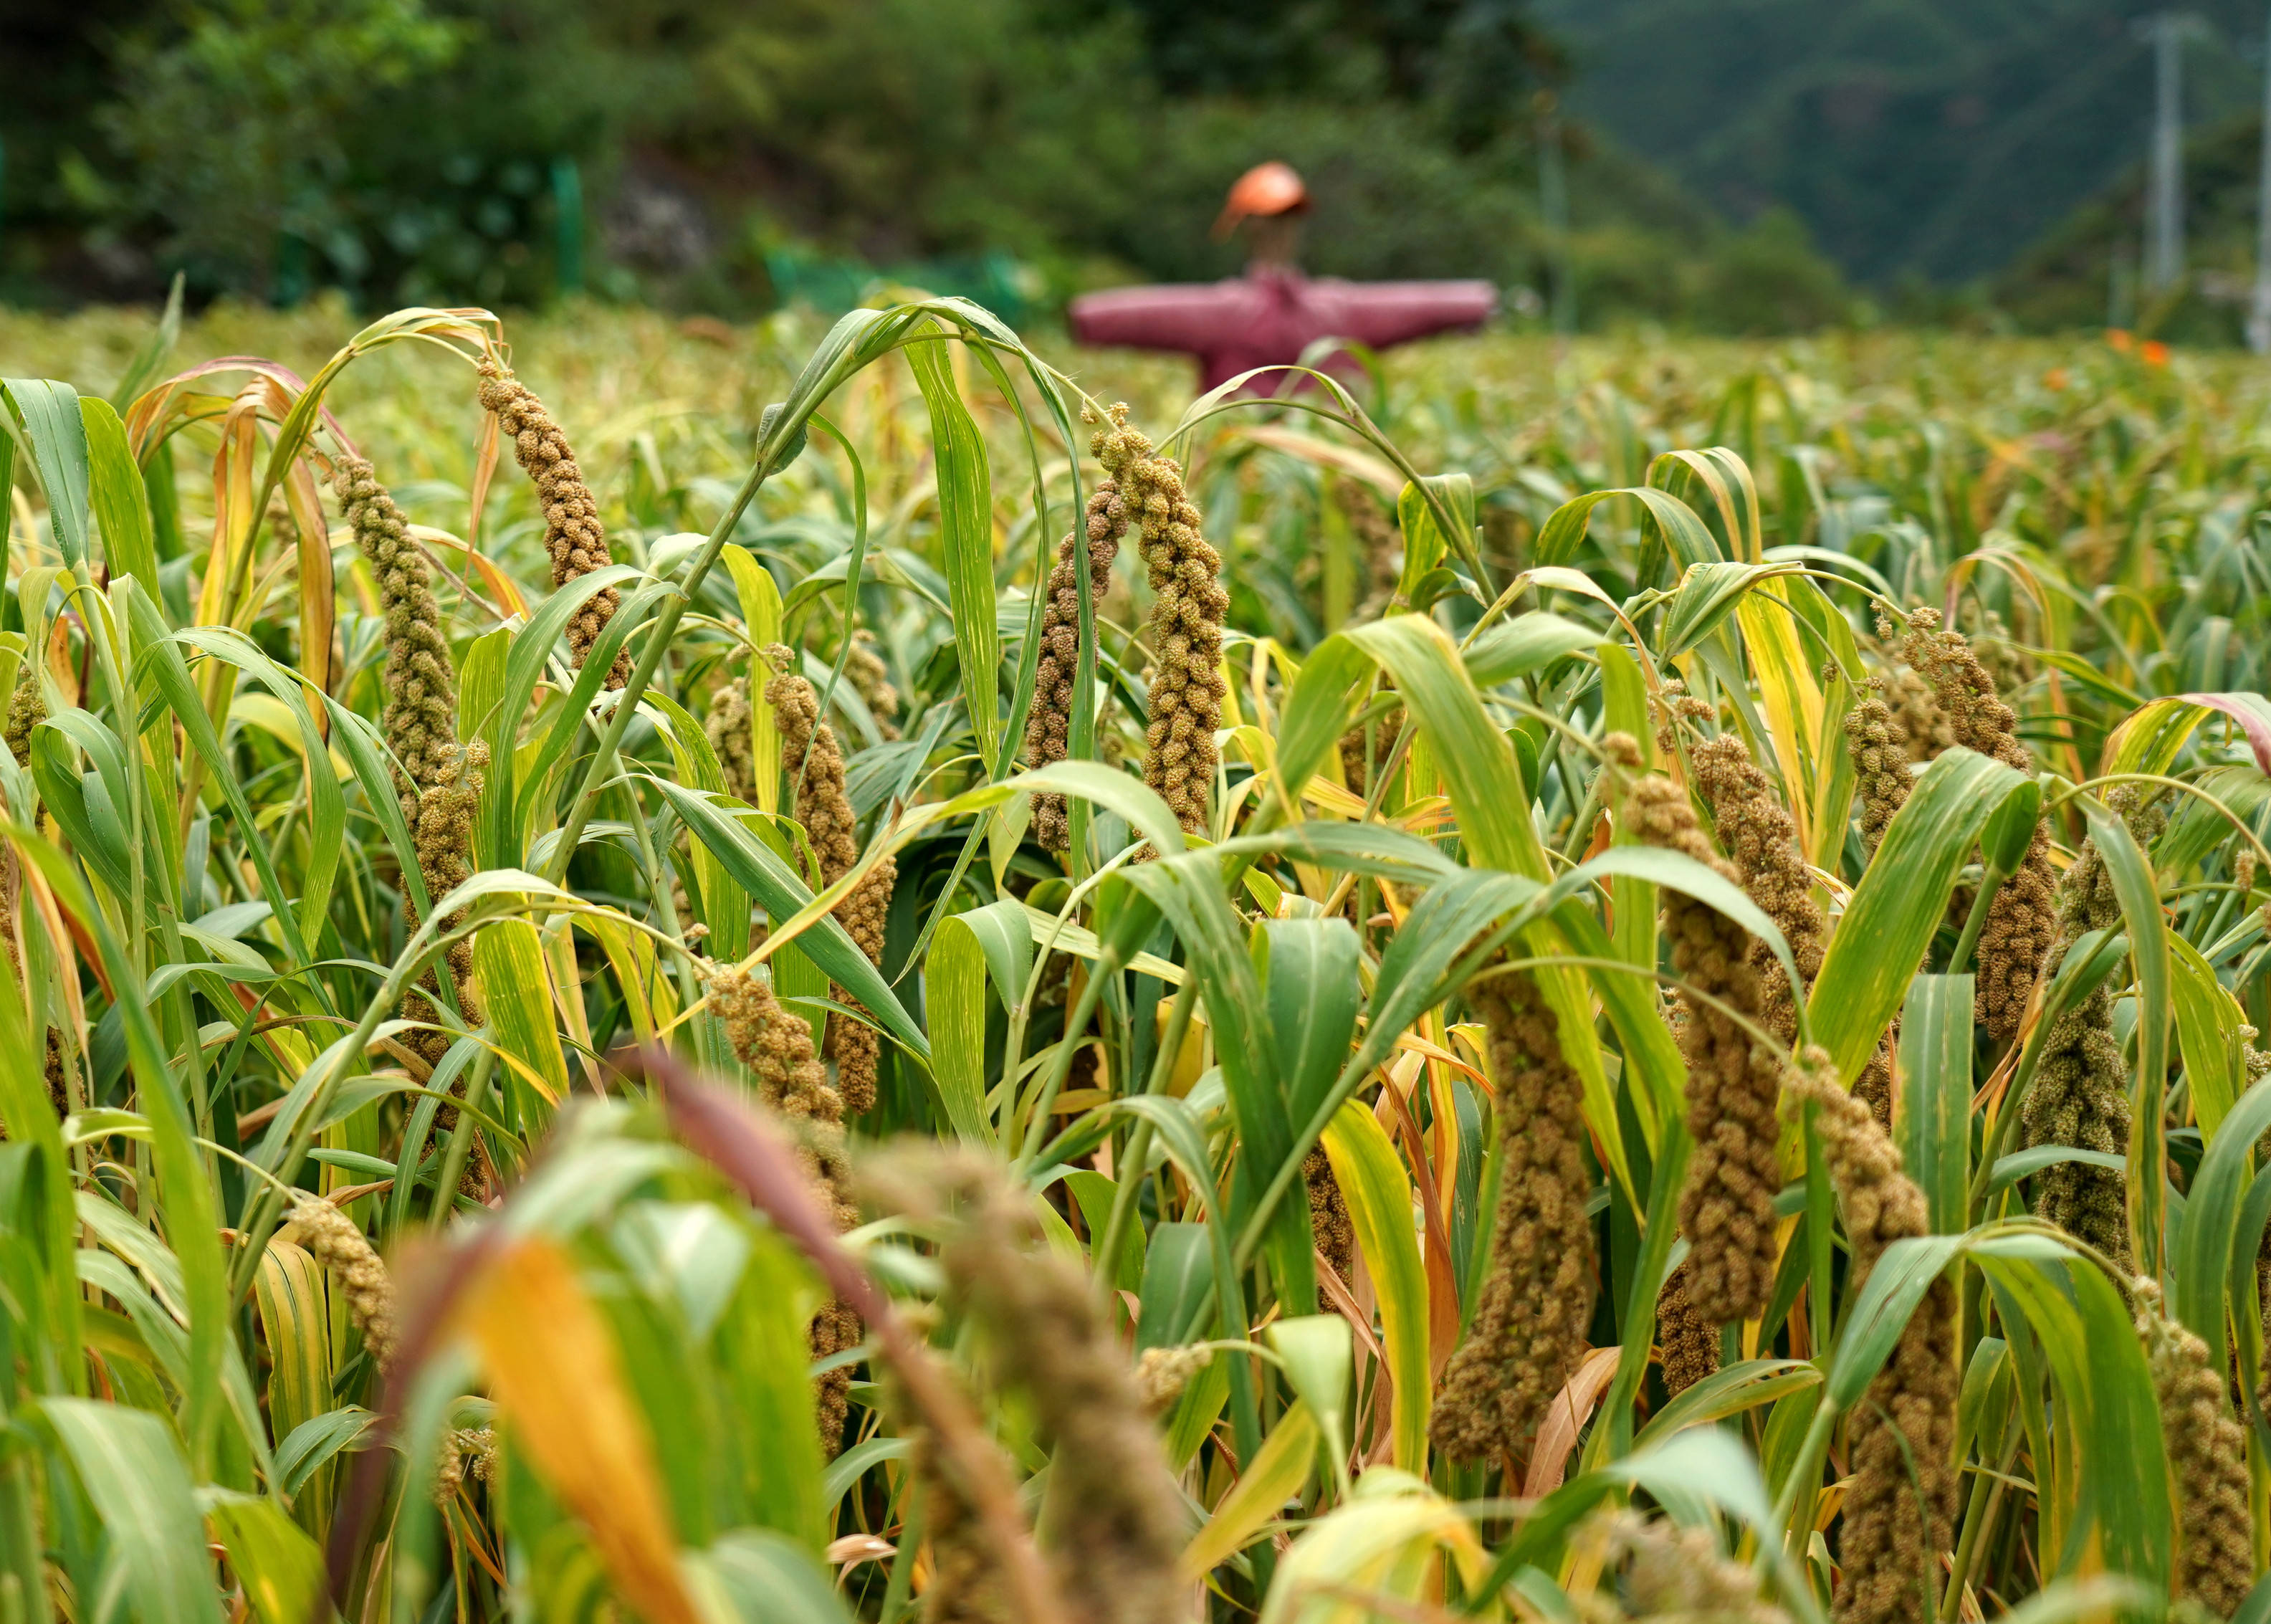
(1572, 1120)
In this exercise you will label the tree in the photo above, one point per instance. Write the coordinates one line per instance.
(236, 123)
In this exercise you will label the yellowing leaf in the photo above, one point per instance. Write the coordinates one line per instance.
(1273, 1477)
(551, 1369)
(1788, 694)
(649, 996)
(761, 613)
(1379, 1194)
(2208, 1019)
(508, 959)
(296, 1319)
(1389, 1541)
(279, 1566)
(1484, 781)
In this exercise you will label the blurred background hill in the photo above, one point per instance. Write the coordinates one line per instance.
(1942, 152)
(1736, 166)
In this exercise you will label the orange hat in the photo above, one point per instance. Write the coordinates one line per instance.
(1265, 190)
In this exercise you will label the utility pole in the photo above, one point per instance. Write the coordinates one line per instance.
(2259, 309)
(2165, 195)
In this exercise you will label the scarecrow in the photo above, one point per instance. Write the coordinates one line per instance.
(1273, 313)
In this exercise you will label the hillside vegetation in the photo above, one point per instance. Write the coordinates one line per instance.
(1927, 139)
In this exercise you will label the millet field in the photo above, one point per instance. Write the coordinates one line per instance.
(789, 974)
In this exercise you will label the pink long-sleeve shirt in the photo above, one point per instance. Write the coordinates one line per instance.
(1271, 314)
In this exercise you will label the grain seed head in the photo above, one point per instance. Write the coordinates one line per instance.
(573, 535)
(337, 1242)
(1187, 610)
(1726, 1208)
(1534, 1305)
(2207, 1460)
(1048, 724)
